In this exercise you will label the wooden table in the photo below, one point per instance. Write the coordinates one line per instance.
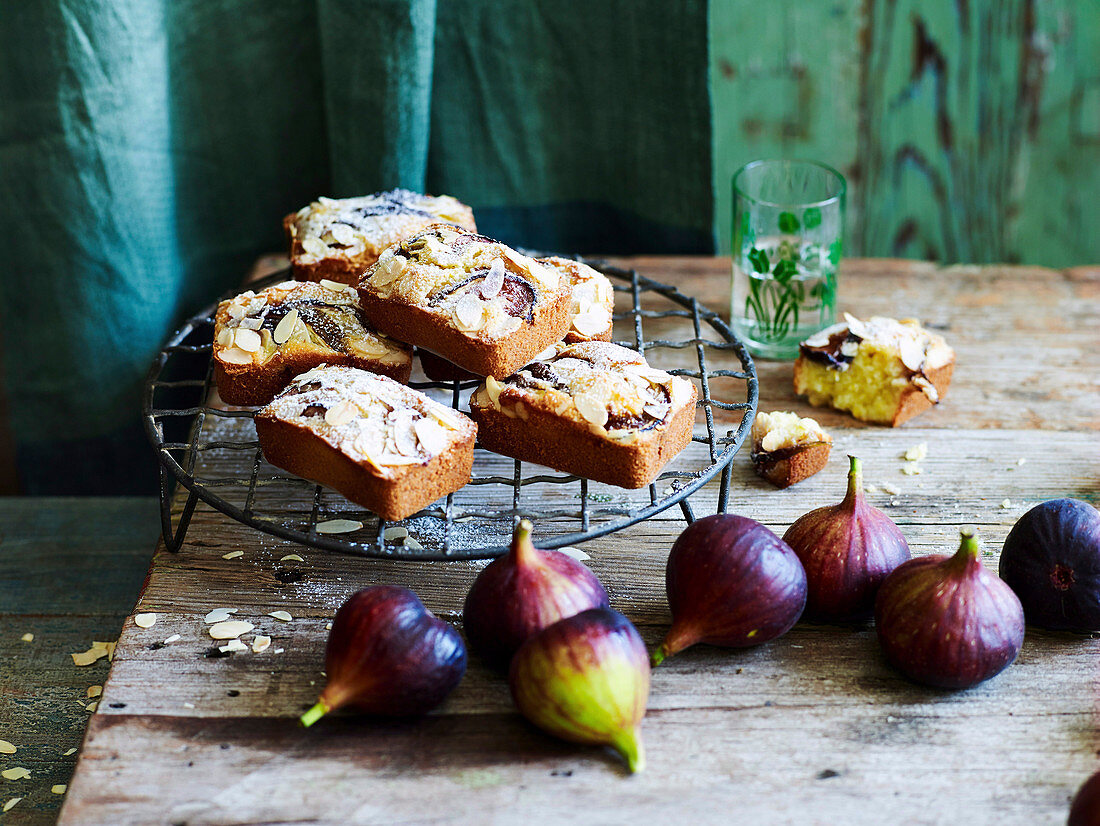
(812, 728)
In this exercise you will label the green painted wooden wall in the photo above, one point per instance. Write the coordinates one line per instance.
(968, 130)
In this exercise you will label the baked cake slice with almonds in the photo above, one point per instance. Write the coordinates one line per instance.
(591, 315)
(472, 300)
(262, 340)
(381, 444)
(339, 239)
(880, 370)
(593, 409)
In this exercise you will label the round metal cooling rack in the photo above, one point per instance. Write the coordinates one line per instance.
(200, 443)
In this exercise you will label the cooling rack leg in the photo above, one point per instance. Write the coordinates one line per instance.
(173, 539)
(689, 514)
(724, 487)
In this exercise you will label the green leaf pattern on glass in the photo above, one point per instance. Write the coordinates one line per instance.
(777, 302)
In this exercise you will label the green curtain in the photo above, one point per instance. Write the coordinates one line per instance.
(148, 149)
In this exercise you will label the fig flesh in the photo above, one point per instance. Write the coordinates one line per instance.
(388, 655)
(730, 582)
(847, 551)
(586, 679)
(1051, 559)
(523, 592)
(946, 621)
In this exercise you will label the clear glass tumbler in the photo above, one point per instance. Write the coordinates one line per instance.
(788, 225)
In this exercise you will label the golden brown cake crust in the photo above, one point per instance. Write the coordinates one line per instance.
(298, 445)
(258, 381)
(546, 439)
(423, 291)
(790, 466)
(391, 216)
(593, 409)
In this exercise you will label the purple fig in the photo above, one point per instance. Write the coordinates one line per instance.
(1085, 809)
(586, 679)
(1051, 559)
(523, 592)
(946, 621)
(730, 582)
(387, 654)
(847, 551)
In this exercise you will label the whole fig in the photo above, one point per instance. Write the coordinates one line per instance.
(946, 621)
(1051, 559)
(586, 679)
(730, 582)
(847, 551)
(1085, 809)
(523, 592)
(387, 654)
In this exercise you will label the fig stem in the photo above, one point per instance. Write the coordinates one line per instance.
(855, 481)
(523, 550)
(968, 547)
(629, 745)
(658, 656)
(319, 710)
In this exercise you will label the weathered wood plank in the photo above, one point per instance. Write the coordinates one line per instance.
(51, 550)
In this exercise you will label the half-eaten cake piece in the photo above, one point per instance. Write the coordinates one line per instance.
(339, 239)
(787, 448)
(593, 409)
(881, 370)
(379, 443)
(472, 300)
(262, 340)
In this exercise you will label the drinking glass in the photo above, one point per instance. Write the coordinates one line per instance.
(788, 223)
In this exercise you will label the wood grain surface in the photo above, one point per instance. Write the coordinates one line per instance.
(812, 728)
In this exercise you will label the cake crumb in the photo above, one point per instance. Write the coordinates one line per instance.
(11, 803)
(916, 452)
(232, 554)
(28, 637)
(911, 469)
(1021, 461)
(890, 489)
(1006, 504)
(59, 788)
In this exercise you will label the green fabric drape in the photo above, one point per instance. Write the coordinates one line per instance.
(148, 149)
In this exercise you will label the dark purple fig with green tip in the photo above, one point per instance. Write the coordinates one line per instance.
(946, 621)
(388, 655)
(523, 592)
(730, 582)
(586, 679)
(1051, 559)
(847, 551)
(1085, 809)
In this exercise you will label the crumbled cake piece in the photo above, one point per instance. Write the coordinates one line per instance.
(881, 370)
(262, 340)
(339, 239)
(787, 448)
(472, 300)
(381, 444)
(593, 303)
(593, 409)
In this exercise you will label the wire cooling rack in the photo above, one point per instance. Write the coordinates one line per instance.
(211, 448)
